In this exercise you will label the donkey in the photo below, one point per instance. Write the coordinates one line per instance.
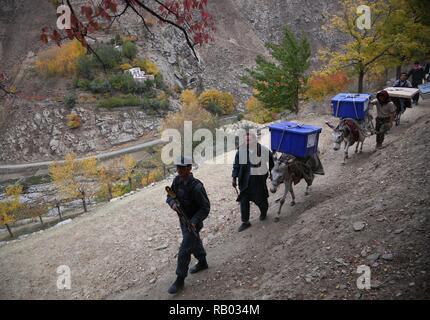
(349, 132)
(285, 171)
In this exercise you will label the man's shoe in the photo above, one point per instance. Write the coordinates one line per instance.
(263, 217)
(244, 226)
(177, 286)
(200, 266)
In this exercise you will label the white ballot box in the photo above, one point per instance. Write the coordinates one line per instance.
(400, 92)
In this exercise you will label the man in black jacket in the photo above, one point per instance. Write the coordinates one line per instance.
(194, 202)
(252, 178)
(418, 75)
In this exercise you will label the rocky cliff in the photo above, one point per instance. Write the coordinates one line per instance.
(33, 124)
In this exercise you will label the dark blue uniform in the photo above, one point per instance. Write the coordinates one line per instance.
(195, 203)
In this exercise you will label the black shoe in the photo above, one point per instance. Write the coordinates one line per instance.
(177, 286)
(263, 217)
(200, 266)
(244, 226)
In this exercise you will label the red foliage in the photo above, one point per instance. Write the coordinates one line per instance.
(190, 16)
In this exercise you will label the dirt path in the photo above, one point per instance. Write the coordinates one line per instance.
(126, 249)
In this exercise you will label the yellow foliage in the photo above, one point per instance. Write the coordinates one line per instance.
(125, 66)
(73, 177)
(74, 121)
(146, 65)
(9, 207)
(60, 61)
(190, 112)
(189, 97)
(256, 111)
(163, 97)
(129, 164)
(153, 176)
(224, 100)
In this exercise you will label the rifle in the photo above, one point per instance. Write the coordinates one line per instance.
(182, 216)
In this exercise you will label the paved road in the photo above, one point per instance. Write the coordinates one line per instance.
(16, 168)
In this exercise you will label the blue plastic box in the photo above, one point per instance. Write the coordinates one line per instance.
(425, 90)
(350, 105)
(296, 139)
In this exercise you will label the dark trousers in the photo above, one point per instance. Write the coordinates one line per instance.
(381, 129)
(262, 204)
(190, 245)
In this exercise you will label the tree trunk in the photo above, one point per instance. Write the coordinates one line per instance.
(8, 229)
(59, 211)
(110, 191)
(129, 183)
(83, 201)
(398, 71)
(41, 221)
(360, 82)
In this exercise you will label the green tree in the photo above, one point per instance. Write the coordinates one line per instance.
(279, 82)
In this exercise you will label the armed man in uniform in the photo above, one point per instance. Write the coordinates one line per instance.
(194, 202)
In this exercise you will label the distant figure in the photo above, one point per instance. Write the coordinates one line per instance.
(427, 71)
(386, 111)
(418, 75)
(402, 103)
(252, 187)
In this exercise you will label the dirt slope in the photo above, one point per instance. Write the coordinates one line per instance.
(127, 249)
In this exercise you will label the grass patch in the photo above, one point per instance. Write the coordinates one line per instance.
(120, 101)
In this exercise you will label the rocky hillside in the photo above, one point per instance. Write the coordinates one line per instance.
(33, 125)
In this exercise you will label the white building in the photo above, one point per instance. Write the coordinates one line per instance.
(139, 75)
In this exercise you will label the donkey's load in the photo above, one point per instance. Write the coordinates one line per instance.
(400, 92)
(425, 90)
(350, 105)
(295, 139)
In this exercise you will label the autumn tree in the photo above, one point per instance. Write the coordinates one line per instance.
(10, 206)
(75, 179)
(108, 175)
(190, 17)
(279, 81)
(394, 36)
(129, 165)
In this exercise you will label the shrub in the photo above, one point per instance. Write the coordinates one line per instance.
(322, 84)
(155, 104)
(159, 82)
(60, 61)
(129, 50)
(223, 99)
(214, 108)
(83, 84)
(146, 65)
(70, 100)
(121, 101)
(189, 97)
(124, 83)
(125, 66)
(84, 67)
(110, 56)
(256, 111)
(100, 86)
(119, 190)
(74, 121)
